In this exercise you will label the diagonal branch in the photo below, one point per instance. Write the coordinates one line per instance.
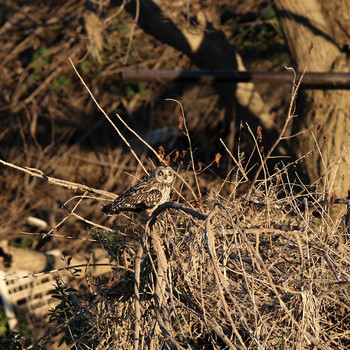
(59, 182)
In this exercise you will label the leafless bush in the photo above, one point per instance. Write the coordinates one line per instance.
(263, 273)
(269, 269)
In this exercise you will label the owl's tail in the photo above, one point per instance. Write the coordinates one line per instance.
(107, 209)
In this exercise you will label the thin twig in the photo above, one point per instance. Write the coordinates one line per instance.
(41, 234)
(137, 301)
(290, 115)
(59, 182)
(236, 162)
(187, 134)
(109, 119)
(67, 268)
(141, 139)
(132, 31)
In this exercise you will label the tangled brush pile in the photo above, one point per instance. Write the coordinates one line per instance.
(256, 274)
(266, 270)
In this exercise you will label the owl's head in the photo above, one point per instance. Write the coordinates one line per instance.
(164, 174)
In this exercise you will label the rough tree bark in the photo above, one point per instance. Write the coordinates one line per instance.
(326, 24)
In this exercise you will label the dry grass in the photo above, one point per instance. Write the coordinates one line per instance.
(264, 271)
(269, 269)
(267, 272)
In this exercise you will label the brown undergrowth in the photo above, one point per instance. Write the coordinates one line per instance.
(265, 270)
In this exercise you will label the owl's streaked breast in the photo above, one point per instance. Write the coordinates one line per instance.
(146, 195)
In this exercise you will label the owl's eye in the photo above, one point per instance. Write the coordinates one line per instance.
(161, 173)
(169, 173)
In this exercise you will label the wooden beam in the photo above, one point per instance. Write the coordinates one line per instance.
(328, 80)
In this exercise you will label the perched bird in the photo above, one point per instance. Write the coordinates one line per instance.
(146, 195)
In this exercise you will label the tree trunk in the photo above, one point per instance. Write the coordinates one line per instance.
(326, 25)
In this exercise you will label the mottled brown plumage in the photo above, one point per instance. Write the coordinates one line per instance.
(146, 195)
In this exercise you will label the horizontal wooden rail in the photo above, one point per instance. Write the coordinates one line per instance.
(316, 80)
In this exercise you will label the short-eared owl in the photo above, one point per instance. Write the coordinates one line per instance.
(146, 195)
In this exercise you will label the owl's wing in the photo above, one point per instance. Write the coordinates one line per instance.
(152, 198)
(136, 199)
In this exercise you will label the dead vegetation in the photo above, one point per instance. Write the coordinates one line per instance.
(48, 122)
(268, 270)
